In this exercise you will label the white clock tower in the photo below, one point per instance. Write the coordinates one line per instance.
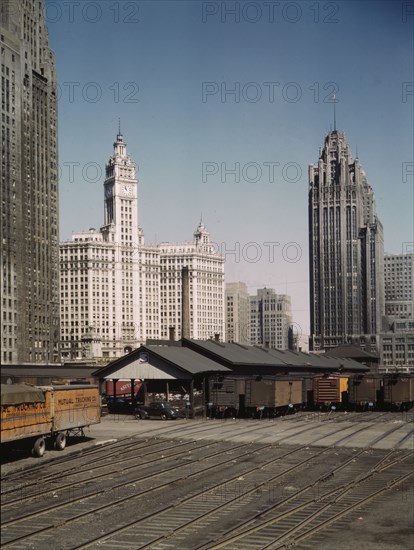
(121, 196)
(121, 232)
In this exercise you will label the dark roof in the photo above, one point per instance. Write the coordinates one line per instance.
(186, 359)
(353, 352)
(57, 372)
(235, 355)
(183, 359)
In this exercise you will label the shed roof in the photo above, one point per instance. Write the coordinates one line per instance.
(21, 371)
(236, 355)
(353, 352)
(163, 361)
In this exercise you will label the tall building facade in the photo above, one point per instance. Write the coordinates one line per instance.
(399, 285)
(397, 339)
(29, 186)
(206, 287)
(119, 291)
(270, 319)
(346, 251)
(100, 269)
(237, 313)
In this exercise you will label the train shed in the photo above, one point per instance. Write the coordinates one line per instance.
(168, 369)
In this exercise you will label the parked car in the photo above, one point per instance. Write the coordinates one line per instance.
(119, 405)
(157, 409)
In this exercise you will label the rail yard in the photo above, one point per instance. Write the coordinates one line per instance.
(309, 480)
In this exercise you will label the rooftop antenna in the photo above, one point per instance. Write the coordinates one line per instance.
(119, 126)
(334, 102)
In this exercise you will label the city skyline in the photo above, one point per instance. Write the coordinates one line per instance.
(180, 61)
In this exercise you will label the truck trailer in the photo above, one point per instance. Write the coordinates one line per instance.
(39, 412)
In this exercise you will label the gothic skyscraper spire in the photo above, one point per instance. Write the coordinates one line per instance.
(345, 250)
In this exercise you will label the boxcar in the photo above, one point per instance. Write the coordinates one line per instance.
(225, 396)
(398, 392)
(35, 413)
(365, 391)
(329, 390)
(248, 395)
(273, 393)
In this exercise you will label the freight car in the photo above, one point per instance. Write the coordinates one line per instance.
(365, 392)
(122, 388)
(398, 392)
(390, 391)
(329, 391)
(36, 413)
(254, 396)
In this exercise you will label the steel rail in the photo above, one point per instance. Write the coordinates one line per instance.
(103, 475)
(244, 530)
(126, 498)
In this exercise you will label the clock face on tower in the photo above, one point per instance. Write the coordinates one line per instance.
(108, 192)
(126, 190)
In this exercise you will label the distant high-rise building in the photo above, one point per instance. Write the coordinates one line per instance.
(399, 285)
(206, 287)
(397, 338)
(117, 291)
(237, 313)
(100, 274)
(346, 251)
(270, 318)
(29, 186)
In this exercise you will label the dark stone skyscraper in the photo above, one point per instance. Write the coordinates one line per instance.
(346, 251)
(29, 186)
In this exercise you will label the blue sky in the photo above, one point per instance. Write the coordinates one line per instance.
(149, 64)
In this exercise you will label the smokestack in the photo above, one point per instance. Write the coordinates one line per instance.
(172, 333)
(185, 303)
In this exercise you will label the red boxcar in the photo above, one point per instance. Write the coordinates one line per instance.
(123, 388)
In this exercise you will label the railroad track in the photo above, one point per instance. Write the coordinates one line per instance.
(24, 517)
(199, 514)
(33, 521)
(235, 487)
(174, 492)
(128, 453)
(300, 516)
(92, 467)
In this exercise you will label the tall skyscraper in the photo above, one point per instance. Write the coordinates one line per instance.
(100, 277)
(346, 251)
(399, 285)
(29, 186)
(270, 318)
(397, 340)
(206, 287)
(237, 305)
(117, 291)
